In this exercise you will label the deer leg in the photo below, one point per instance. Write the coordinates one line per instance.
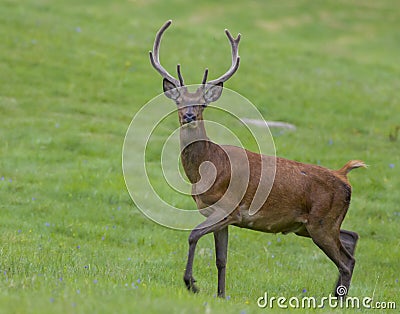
(188, 277)
(221, 252)
(349, 240)
(329, 242)
(202, 229)
(345, 277)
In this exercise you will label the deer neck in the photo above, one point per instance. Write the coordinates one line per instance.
(195, 146)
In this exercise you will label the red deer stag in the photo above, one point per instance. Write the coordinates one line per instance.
(309, 200)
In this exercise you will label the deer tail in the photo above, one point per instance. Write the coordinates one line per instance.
(352, 164)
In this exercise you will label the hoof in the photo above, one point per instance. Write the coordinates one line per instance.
(189, 282)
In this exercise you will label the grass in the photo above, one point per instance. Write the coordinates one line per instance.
(73, 74)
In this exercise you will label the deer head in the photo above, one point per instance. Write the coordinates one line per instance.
(191, 104)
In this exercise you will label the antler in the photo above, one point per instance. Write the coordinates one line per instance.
(235, 60)
(155, 58)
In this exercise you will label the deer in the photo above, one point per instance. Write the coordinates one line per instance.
(308, 200)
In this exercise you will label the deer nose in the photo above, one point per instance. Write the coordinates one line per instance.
(189, 117)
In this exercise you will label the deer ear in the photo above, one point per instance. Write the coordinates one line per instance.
(170, 89)
(213, 93)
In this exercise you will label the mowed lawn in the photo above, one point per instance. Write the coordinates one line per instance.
(72, 76)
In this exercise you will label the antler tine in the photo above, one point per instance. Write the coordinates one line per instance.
(234, 43)
(204, 81)
(235, 59)
(155, 58)
(178, 69)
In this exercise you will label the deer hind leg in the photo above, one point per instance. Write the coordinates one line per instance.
(211, 224)
(329, 242)
(349, 240)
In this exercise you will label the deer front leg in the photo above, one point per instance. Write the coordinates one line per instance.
(188, 277)
(211, 224)
(221, 252)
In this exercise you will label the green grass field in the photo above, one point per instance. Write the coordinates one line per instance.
(74, 73)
